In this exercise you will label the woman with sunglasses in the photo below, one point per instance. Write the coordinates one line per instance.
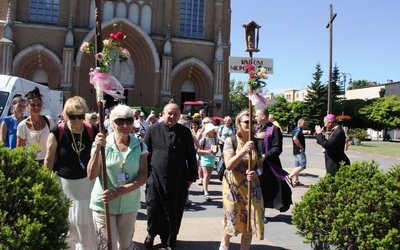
(68, 153)
(10, 123)
(126, 163)
(234, 187)
(36, 128)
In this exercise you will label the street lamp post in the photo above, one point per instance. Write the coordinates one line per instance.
(339, 83)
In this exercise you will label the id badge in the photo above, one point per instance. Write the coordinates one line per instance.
(214, 148)
(123, 176)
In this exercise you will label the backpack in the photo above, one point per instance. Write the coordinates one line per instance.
(47, 121)
(221, 163)
(61, 128)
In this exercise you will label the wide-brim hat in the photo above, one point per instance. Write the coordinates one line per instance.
(209, 127)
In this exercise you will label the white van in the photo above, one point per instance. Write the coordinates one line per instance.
(11, 86)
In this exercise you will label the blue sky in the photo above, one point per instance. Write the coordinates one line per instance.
(366, 39)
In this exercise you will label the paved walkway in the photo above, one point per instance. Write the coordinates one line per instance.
(201, 227)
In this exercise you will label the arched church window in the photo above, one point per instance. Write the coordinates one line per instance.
(108, 11)
(121, 9)
(134, 13)
(145, 21)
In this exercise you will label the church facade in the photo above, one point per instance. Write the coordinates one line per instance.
(179, 49)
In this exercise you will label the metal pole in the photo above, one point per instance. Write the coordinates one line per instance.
(329, 25)
(100, 103)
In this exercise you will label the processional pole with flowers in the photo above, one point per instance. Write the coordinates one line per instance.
(106, 51)
(256, 99)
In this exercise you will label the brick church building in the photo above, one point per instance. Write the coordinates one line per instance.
(179, 48)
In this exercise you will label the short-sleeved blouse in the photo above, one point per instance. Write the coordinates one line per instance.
(35, 136)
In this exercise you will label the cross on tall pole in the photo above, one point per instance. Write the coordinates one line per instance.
(100, 105)
(330, 26)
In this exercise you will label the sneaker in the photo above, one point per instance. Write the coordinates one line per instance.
(207, 198)
(200, 182)
(289, 181)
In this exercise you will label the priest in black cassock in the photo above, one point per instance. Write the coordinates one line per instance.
(172, 168)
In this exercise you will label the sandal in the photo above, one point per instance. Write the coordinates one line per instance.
(298, 184)
(289, 180)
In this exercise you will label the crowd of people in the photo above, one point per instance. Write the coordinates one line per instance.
(163, 154)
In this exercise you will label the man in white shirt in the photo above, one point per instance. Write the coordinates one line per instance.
(141, 126)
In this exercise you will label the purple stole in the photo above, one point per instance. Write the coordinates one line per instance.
(274, 164)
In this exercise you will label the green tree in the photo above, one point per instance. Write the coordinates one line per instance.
(383, 113)
(337, 90)
(297, 111)
(351, 108)
(358, 84)
(281, 111)
(238, 97)
(316, 99)
(382, 92)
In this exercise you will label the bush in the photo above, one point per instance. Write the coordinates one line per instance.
(357, 135)
(358, 208)
(33, 211)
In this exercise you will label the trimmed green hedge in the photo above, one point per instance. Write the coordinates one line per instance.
(358, 208)
(33, 211)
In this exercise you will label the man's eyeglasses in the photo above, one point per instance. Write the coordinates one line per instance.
(73, 117)
(122, 121)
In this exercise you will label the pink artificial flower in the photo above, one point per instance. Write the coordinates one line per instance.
(249, 67)
(252, 75)
(85, 47)
(106, 42)
(99, 56)
(117, 36)
(126, 53)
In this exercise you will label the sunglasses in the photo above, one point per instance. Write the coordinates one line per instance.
(35, 105)
(246, 122)
(122, 121)
(73, 117)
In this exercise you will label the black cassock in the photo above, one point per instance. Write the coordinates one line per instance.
(334, 149)
(171, 163)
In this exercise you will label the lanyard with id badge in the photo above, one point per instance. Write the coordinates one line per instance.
(122, 176)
